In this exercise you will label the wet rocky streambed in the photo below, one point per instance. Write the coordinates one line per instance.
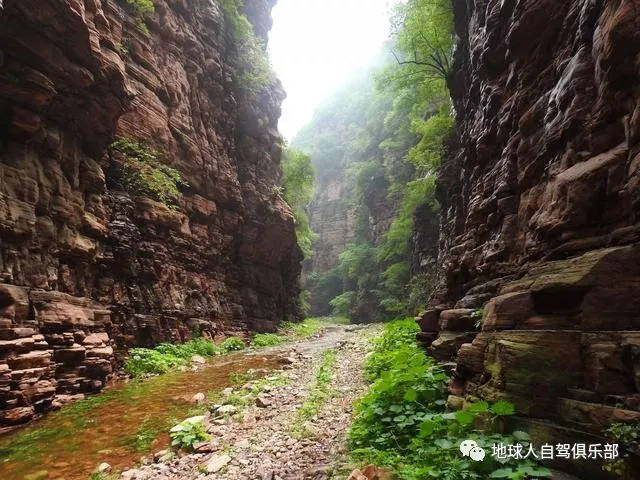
(118, 426)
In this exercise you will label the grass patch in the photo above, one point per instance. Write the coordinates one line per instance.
(261, 340)
(402, 423)
(310, 327)
(318, 396)
(291, 331)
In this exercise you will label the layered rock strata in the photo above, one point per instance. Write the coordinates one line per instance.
(540, 240)
(86, 268)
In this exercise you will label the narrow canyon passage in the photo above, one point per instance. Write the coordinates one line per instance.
(319, 239)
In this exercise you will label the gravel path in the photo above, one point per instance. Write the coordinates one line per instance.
(268, 440)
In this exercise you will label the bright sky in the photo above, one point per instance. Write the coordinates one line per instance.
(315, 45)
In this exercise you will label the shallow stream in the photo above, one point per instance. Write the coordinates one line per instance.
(118, 426)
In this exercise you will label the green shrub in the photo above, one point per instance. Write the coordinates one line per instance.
(266, 340)
(143, 361)
(232, 344)
(140, 9)
(187, 433)
(142, 173)
(166, 356)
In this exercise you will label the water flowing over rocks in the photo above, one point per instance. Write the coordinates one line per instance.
(87, 270)
(540, 213)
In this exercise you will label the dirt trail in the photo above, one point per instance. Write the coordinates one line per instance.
(271, 439)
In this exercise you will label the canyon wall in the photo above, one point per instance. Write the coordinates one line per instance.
(540, 215)
(86, 269)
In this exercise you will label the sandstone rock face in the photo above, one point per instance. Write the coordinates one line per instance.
(540, 208)
(332, 219)
(86, 269)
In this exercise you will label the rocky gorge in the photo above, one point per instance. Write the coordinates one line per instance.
(88, 268)
(484, 176)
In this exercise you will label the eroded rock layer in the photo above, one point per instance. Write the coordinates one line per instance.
(540, 209)
(86, 268)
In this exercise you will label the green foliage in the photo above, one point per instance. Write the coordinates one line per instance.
(343, 303)
(145, 361)
(308, 328)
(266, 340)
(167, 356)
(122, 49)
(140, 9)
(295, 331)
(297, 185)
(424, 35)
(187, 433)
(386, 133)
(142, 173)
(398, 335)
(232, 344)
(256, 73)
(478, 317)
(397, 240)
(402, 422)
(627, 436)
(305, 302)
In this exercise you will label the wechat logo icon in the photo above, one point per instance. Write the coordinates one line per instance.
(470, 448)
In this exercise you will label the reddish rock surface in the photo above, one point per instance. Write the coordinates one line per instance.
(540, 210)
(87, 269)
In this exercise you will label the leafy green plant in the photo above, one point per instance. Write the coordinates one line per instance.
(232, 344)
(626, 434)
(166, 356)
(403, 423)
(142, 173)
(187, 433)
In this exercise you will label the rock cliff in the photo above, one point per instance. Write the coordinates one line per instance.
(540, 210)
(87, 269)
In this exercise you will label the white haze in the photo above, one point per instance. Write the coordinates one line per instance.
(315, 45)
